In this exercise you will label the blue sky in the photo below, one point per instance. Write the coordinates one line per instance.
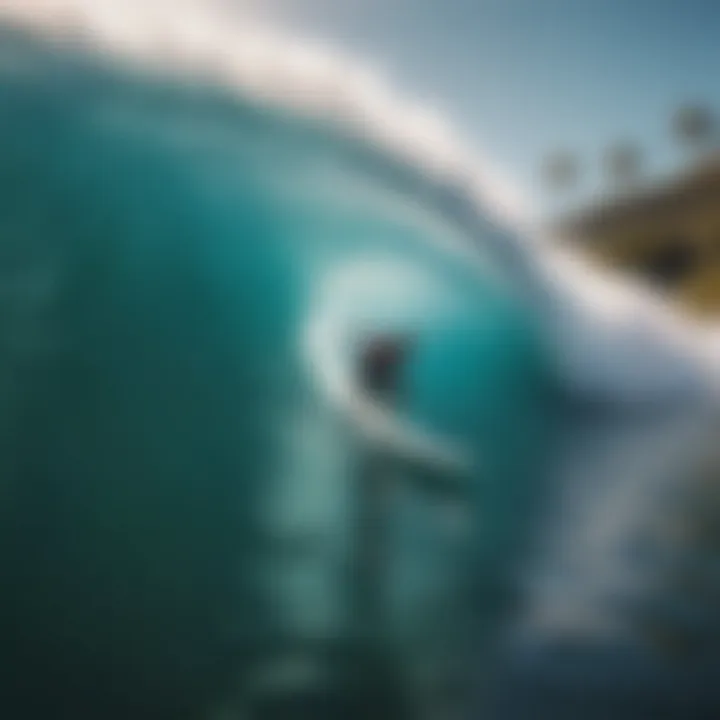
(520, 78)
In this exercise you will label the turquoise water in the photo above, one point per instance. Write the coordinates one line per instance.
(177, 493)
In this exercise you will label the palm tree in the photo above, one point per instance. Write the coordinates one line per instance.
(623, 163)
(695, 128)
(561, 171)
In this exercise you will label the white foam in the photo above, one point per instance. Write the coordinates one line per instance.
(201, 42)
(618, 340)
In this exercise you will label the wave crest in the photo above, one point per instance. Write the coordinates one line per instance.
(201, 43)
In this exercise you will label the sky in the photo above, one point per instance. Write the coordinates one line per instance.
(523, 78)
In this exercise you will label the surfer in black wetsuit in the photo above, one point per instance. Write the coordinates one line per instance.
(381, 361)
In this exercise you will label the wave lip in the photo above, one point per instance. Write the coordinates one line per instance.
(200, 43)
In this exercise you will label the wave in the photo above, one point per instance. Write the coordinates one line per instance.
(406, 145)
(611, 343)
